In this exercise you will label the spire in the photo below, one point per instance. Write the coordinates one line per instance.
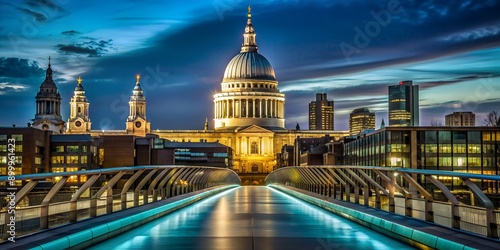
(79, 81)
(137, 89)
(249, 44)
(205, 127)
(382, 124)
(48, 73)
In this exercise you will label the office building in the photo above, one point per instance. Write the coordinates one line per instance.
(360, 120)
(460, 119)
(403, 104)
(321, 113)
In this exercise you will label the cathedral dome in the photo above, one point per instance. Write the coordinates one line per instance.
(249, 65)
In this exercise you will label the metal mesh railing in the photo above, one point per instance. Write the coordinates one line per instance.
(454, 199)
(29, 208)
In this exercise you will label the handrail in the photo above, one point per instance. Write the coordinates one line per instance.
(401, 190)
(122, 187)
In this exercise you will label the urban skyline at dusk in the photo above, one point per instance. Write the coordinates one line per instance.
(350, 50)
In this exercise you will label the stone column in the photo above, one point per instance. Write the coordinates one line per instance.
(266, 101)
(227, 109)
(253, 107)
(246, 108)
(260, 108)
(233, 112)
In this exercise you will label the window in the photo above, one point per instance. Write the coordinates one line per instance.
(474, 148)
(18, 159)
(72, 149)
(255, 168)
(58, 149)
(38, 160)
(254, 149)
(198, 154)
(57, 170)
(3, 137)
(19, 148)
(57, 159)
(445, 148)
(17, 137)
(3, 159)
(72, 159)
(83, 159)
(445, 161)
(220, 154)
(3, 148)
(84, 148)
(474, 161)
(459, 148)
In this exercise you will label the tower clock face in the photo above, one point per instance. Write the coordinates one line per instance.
(78, 123)
(138, 124)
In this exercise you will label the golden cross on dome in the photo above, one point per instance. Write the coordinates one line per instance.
(138, 77)
(79, 80)
(249, 9)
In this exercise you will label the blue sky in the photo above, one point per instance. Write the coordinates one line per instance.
(352, 50)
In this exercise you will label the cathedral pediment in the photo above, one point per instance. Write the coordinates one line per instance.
(252, 129)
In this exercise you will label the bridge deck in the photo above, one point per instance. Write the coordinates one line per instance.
(251, 218)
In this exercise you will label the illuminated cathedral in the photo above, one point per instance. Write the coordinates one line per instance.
(249, 113)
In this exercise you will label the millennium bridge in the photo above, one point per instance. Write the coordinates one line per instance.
(194, 207)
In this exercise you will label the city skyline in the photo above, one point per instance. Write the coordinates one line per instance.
(181, 50)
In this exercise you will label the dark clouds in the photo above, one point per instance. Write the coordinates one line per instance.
(19, 68)
(89, 48)
(70, 33)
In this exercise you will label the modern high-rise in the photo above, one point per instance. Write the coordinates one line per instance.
(403, 104)
(321, 113)
(360, 120)
(460, 119)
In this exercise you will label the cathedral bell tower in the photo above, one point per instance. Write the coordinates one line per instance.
(48, 106)
(78, 121)
(136, 122)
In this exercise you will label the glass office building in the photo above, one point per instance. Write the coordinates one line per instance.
(403, 104)
(472, 150)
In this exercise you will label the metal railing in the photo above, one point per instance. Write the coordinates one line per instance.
(49, 199)
(422, 194)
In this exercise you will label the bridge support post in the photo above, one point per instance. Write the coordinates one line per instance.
(109, 201)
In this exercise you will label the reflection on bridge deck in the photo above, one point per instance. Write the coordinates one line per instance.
(251, 218)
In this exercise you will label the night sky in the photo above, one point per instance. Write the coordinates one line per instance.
(352, 50)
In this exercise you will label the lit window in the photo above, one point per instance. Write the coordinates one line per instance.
(58, 149)
(3, 148)
(72, 149)
(72, 159)
(254, 149)
(3, 137)
(57, 159)
(19, 148)
(38, 160)
(17, 137)
(83, 159)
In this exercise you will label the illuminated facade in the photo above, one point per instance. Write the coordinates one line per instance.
(321, 113)
(137, 123)
(459, 119)
(403, 104)
(48, 106)
(249, 118)
(360, 120)
(249, 91)
(78, 121)
(459, 149)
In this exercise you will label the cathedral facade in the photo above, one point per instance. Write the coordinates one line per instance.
(249, 113)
